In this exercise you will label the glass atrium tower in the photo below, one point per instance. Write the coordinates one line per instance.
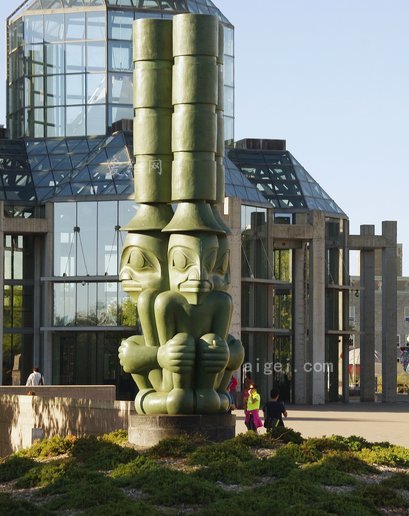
(69, 69)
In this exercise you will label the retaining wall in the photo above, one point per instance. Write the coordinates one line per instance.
(25, 418)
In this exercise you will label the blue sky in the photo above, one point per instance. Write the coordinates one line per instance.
(332, 78)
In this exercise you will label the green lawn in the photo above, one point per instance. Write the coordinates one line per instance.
(250, 474)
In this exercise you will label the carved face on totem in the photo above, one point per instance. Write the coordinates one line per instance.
(144, 263)
(191, 260)
(221, 270)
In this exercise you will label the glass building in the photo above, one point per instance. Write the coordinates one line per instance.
(66, 189)
(69, 64)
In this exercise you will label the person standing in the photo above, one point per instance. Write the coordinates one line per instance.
(274, 411)
(252, 419)
(232, 392)
(35, 378)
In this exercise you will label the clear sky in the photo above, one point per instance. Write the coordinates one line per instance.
(332, 78)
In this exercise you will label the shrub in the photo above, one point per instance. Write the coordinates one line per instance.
(119, 437)
(164, 486)
(299, 453)
(380, 495)
(206, 455)
(89, 491)
(8, 505)
(391, 456)
(13, 467)
(347, 462)
(127, 474)
(324, 444)
(178, 446)
(43, 475)
(277, 466)
(286, 435)
(353, 442)
(230, 471)
(124, 507)
(100, 453)
(52, 447)
(325, 474)
(347, 504)
(253, 440)
(397, 481)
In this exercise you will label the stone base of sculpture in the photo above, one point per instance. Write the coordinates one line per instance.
(148, 430)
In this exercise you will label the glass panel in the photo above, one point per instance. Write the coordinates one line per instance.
(127, 210)
(107, 238)
(120, 25)
(107, 304)
(75, 57)
(86, 304)
(120, 56)
(96, 119)
(55, 121)
(54, 27)
(228, 101)
(228, 128)
(75, 87)
(120, 90)
(229, 71)
(55, 90)
(37, 84)
(33, 29)
(64, 304)
(55, 58)
(38, 121)
(75, 121)
(96, 26)
(96, 56)
(228, 41)
(34, 56)
(96, 89)
(64, 239)
(87, 238)
(75, 26)
(116, 113)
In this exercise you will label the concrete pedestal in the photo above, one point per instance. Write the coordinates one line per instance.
(146, 430)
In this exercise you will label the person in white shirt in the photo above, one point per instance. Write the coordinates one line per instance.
(35, 378)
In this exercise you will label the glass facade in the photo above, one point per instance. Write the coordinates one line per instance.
(69, 70)
(266, 302)
(87, 248)
(18, 294)
(283, 181)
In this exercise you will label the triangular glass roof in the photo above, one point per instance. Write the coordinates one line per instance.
(283, 181)
(164, 6)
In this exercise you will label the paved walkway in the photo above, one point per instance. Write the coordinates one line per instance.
(373, 421)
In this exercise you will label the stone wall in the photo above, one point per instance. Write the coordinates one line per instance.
(26, 418)
(89, 392)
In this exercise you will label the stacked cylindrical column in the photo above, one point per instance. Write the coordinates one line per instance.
(194, 98)
(153, 60)
(220, 120)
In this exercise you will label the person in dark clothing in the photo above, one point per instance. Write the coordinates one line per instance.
(274, 411)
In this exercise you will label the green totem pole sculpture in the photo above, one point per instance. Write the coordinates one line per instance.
(175, 264)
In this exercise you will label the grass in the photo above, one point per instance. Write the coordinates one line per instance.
(271, 473)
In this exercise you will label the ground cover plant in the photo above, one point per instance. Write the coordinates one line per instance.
(280, 473)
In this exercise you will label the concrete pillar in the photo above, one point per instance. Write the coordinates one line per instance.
(47, 298)
(301, 390)
(367, 319)
(37, 299)
(345, 318)
(389, 311)
(317, 307)
(232, 218)
(1, 288)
